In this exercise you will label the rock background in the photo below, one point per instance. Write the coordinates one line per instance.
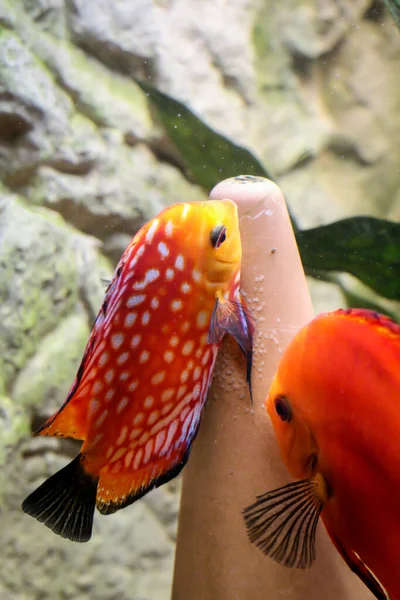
(309, 86)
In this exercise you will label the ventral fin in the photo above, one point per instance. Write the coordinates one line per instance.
(283, 523)
(233, 317)
(356, 565)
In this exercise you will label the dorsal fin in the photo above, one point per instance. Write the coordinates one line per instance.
(382, 322)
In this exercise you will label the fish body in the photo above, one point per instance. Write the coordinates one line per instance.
(139, 393)
(335, 408)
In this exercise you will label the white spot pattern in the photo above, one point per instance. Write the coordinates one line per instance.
(171, 432)
(169, 274)
(148, 451)
(186, 288)
(145, 318)
(182, 389)
(135, 434)
(196, 275)
(169, 356)
(166, 409)
(169, 228)
(158, 378)
(151, 231)
(102, 418)
(138, 459)
(202, 318)
(167, 394)
(122, 404)
(155, 303)
(174, 341)
(163, 249)
(103, 359)
(136, 340)
(205, 358)
(133, 385)
(180, 262)
(122, 436)
(159, 440)
(176, 305)
(123, 358)
(151, 275)
(144, 356)
(135, 300)
(188, 348)
(128, 459)
(109, 395)
(138, 418)
(97, 387)
(184, 376)
(196, 391)
(153, 417)
(109, 376)
(119, 454)
(130, 319)
(185, 426)
(148, 401)
(116, 340)
(184, 413)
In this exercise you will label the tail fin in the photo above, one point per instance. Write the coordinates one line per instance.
(65, 502)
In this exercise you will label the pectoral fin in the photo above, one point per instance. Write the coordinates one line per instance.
(233, 318)
(356, 565)
(283, 523)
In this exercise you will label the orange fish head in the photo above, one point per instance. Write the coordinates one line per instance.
(296, 442)
(216, 241)
(289, 405)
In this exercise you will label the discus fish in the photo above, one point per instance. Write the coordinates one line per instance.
(335, 408)
(139, 392)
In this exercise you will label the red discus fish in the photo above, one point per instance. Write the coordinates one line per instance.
(138, 396)
(335, 408)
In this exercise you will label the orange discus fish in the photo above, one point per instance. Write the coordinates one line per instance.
(138, 396)
(335, 408)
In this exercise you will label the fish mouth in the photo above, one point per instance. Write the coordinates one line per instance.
(311, 465)
(228, 262)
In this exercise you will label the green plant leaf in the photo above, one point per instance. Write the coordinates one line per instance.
(208, 157)
(366, 247)
(394, 8)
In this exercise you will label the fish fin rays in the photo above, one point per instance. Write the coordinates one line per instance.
(118, 492)
(65, 502)
(234, 318)
(358, 567)
(283, 523)
(70, 419)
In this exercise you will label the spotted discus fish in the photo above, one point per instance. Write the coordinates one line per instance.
(138, 396)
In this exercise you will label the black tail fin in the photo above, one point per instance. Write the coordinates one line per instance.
(65, 502)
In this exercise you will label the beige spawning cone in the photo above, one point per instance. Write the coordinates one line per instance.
(235, 456)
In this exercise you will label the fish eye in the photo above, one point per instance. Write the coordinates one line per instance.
(218, 236)
(282, 407)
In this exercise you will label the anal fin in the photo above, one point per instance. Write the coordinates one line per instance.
(356, 565)
(117, 490)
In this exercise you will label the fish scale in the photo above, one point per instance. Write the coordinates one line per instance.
(138, 396)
